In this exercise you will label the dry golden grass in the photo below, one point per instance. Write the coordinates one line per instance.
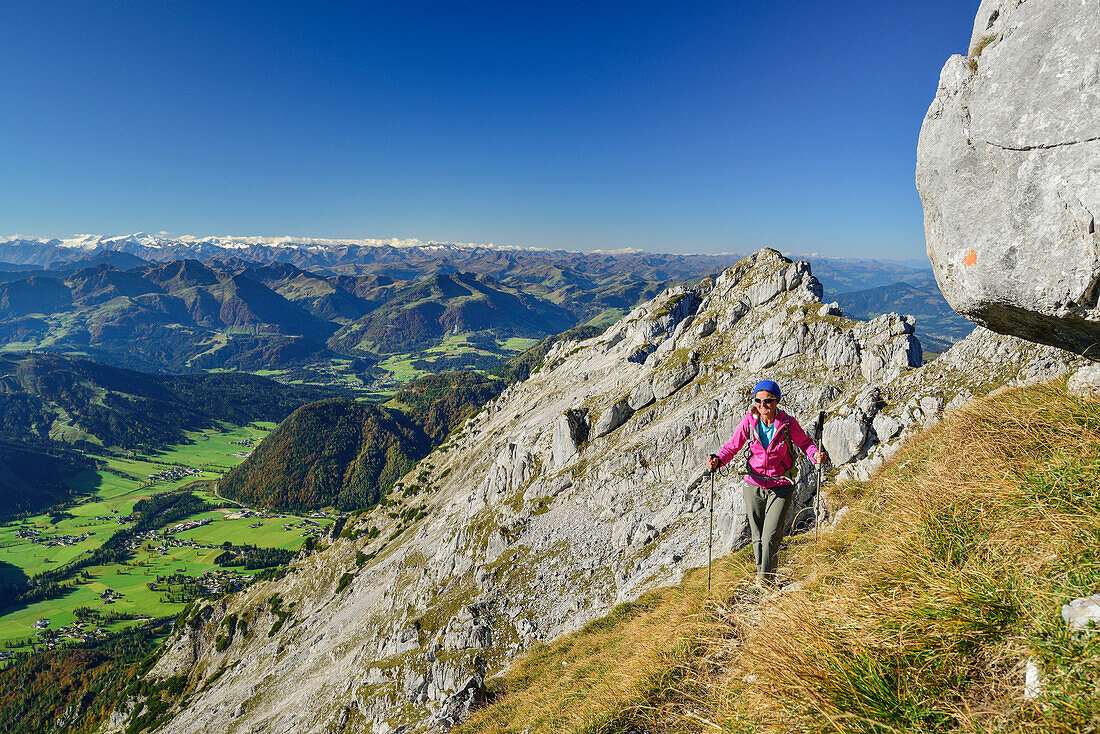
(612, 674)
(918, 616)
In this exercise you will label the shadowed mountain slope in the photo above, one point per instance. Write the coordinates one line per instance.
(423, 312)
(36, 294)
(36, 474)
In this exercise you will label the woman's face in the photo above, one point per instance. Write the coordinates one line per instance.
(766, 405)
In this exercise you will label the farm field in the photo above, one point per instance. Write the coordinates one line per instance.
(458, 351)
(49, 540)
(270, 534)
(129, 581)
(338, 373)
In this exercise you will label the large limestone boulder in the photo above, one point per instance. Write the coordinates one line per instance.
(612, 418)
(1008, 170)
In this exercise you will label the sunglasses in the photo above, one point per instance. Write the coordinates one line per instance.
(765, 401)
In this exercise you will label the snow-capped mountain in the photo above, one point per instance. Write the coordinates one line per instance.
(314, 251)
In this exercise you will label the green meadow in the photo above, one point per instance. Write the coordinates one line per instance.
(606, 317)
(129, 580)
(402, 369)
(335, 372)
(110, 494)
(270, 534)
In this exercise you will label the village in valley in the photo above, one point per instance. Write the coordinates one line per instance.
(162, 568)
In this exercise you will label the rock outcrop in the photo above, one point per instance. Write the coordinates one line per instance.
(527, 523)
(1086, 382)
(1082, 613)
(983, 362)
(1008, 169)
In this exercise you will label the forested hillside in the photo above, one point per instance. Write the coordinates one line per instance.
(71, 690)
(439, 403)
(81, 402)
(336, 452)
(345, 454)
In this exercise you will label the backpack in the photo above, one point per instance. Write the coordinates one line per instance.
(743, 466)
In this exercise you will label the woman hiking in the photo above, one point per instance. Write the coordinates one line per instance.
(768, 491)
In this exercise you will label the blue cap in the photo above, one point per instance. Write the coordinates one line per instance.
(770, 386)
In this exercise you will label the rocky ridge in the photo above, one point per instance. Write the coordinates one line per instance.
(574, 490)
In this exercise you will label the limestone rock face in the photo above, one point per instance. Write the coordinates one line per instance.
(1008, 170)
(612, 418)
(570, 431)
(674, 380)
(982, 362)
(845, 437)
(526, 528)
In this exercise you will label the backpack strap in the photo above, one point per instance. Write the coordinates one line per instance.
(790, 453)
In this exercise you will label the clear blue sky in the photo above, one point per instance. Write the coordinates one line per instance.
(697, 126)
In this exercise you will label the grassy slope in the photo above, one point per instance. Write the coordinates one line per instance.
(917, 615)
(450, 354)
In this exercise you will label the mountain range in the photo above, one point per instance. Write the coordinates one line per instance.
(190, 304)
(411, 259)
(186, 315)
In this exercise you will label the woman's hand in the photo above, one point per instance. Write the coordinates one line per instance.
(819, 457)
(713, 462)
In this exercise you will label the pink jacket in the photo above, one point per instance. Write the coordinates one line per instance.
(773, 460)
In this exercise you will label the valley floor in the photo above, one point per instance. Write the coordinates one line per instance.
(121, 595)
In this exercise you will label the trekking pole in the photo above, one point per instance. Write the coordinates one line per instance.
(817, 493)
(710, 531)
(710, 537)
(817, 507)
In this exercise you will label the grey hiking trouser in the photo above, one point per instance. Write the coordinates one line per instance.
(767, 511)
